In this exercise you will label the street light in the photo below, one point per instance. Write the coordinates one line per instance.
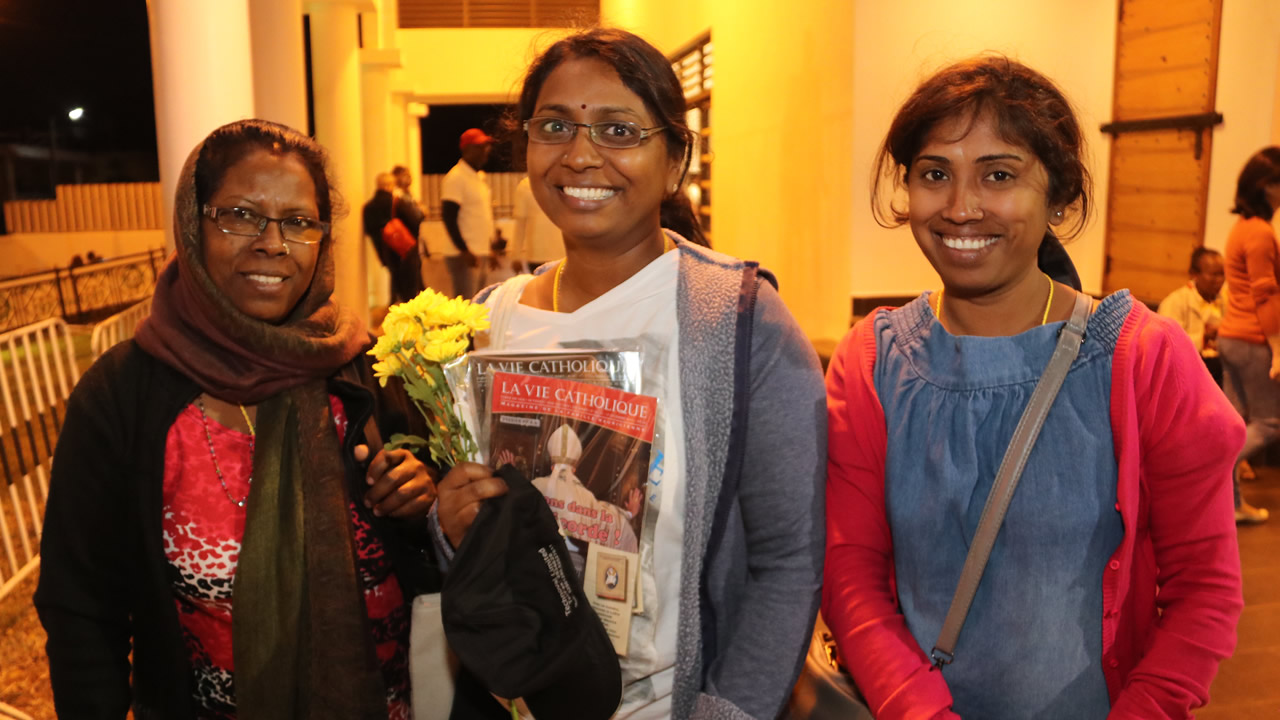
(75, 114)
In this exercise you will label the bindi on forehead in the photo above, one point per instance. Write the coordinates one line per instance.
(584, 106)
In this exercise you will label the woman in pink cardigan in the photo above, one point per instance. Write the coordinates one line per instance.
(1127, 489)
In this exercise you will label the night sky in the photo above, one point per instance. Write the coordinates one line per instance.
(59, 54)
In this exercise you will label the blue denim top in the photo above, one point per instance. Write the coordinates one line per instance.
(1032, 644)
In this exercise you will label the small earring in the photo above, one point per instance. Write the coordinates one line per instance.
(1059, 214)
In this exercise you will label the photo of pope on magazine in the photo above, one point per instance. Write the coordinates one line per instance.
(587, 449)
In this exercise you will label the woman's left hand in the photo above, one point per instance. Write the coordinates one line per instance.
(400, 486)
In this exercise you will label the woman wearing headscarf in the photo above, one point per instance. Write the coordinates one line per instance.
(211, 524)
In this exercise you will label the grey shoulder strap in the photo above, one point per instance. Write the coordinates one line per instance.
(1015, 459)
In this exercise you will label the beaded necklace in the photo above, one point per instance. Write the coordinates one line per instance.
(208, 436)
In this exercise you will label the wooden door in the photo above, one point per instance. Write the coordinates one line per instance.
(1165, 84)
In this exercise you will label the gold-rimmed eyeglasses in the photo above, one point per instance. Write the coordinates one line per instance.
(247, 223)
(615, 134)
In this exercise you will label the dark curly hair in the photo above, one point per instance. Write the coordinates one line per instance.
(645, 72)
(1028, 109)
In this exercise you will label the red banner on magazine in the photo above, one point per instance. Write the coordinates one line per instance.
(617, 410)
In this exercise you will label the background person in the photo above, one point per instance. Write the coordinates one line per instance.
(1249, 338)
(731, 543)
(467, 210)
(406, 272)
(537, 238)
(409, 211)
(1125, 491)
(1198, 305)
(210, 524)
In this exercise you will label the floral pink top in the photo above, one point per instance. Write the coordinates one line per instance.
(202, 529)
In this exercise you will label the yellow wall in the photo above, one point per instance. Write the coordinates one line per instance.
(803, 95)
(469, 65)
(781, 111)
(36, 252)
(900, 43)
(1247, 98)
(668, 24)
(805, 91)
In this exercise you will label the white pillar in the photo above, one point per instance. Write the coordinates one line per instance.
(413, 133)
(335, 84)
(377, 65)
(388, 22)
(1275, 113)
(378, 157)
(397, 119)
(279, 62)
(201, 70)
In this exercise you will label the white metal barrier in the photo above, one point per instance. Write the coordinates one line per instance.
(37, 374)
(118, 327)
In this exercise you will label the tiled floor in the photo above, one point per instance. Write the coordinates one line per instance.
(1248, 684)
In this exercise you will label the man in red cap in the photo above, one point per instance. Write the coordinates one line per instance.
(467, 208)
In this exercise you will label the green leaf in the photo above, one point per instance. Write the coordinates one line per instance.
(400, 440)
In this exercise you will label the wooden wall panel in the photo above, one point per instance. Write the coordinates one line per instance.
(498, 13)
(1166, 69)
(1155, 248)
(1175, 92)
(1163, 159)
(1142, 17)
(1148, 285)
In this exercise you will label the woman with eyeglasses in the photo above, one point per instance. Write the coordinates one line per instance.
(731, 549)
(212, 524)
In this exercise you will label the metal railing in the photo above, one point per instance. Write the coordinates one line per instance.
(81, 294)
(37, 374)
(502, 187)
(118, 327)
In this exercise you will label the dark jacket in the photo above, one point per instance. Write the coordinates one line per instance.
(104, 580)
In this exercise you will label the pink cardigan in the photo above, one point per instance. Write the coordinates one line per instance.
(1176, 440)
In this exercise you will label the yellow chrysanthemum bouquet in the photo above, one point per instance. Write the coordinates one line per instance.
(418, 338)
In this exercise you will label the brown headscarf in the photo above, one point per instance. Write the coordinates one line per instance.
(300, 641)
(194, 328)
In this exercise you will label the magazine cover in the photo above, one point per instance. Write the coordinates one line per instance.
(471, 375)
(587, 448)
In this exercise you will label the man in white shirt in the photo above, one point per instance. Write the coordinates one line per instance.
(467, 210)
(1198, 306)
(538, 240)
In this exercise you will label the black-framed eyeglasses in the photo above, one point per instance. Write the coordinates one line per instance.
(616, 134)
(247, 223)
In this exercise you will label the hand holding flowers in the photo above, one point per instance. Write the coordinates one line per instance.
(418, 337)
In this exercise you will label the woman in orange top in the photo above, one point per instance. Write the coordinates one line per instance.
(1249, 339)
